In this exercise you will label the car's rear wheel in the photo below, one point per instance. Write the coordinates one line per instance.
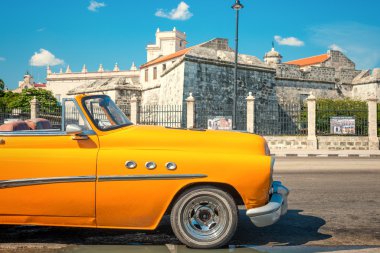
(204, 217)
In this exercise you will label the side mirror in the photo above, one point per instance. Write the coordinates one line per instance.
(76, 132)
(73, 129)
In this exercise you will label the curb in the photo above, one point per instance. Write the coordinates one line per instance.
(329, 155)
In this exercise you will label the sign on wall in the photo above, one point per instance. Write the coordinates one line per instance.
(220, 123)
(342, 125)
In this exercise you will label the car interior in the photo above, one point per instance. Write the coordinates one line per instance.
(27, 125)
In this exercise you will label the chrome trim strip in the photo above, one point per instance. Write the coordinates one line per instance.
(49, 180)
(149, 177)
(42, 133)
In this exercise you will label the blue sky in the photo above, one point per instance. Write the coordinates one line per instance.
(75, 32)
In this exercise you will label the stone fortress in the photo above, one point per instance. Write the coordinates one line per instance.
(172, 71)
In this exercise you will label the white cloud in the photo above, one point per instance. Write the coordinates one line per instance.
(360, 41)
(44, 58)
(94, 6)
(290, 41)
(41, 29)
(336, 47)
(180, 13)
(2, 58)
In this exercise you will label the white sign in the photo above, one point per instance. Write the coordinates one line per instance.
(342, 125)
(220, 123)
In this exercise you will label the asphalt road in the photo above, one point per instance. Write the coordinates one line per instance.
(333, 206)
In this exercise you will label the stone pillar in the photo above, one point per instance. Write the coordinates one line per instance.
(373, 140)
(34, 108)
(190, 101)
(311, 126)
(134, 106)
(250, 113)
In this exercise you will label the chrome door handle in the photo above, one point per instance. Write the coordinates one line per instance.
(2, 141)
(79, 137)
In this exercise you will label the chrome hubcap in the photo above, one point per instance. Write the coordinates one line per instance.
(204, 218)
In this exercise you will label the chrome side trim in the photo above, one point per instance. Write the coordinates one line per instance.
(149, 177)
(49, 180)
(42, 133)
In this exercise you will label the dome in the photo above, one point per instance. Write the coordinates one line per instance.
(272, 57)
(273, 53)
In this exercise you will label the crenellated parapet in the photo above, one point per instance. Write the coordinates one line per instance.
(84, 74)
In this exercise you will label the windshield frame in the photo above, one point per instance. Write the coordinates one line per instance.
(83, 102)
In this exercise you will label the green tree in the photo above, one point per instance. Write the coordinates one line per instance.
(22, 100)
(2, 85)
(327, 108)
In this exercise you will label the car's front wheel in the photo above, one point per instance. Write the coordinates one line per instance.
(204, 217)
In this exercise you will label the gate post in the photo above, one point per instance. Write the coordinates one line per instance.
(134, 109)
(373, 140)
(190, 101)
(34, 108)
(250, 113)
(312, 142)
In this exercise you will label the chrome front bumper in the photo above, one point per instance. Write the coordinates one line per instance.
(271, 212)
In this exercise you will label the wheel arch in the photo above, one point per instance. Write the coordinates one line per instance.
(223, 186)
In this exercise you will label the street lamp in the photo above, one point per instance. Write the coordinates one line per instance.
(237, 6)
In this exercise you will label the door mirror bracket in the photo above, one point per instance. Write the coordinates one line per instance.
(76, 132)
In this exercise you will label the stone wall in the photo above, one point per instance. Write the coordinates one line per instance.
(286, 142)
(338, 61)
(363, 91)
(324, 142)
(172, 83)
(342, 142)
(322, 74)
(292, 91)
(347, 75)
(211, 84)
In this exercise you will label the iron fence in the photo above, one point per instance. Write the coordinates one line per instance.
(9, 114)
(350, 119)
(211, 116)
(280, 119)
(53, 113)
(163, 115)
(126, 109)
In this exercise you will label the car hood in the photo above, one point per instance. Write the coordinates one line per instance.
(158, 137)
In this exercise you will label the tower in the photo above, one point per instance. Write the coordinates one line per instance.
(167, 42)
(272, 57)
(27, 82)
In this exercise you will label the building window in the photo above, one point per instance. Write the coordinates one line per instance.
(154, 73)
(146, 75)
(163, 67)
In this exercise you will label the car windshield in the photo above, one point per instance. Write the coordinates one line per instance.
(104, 113)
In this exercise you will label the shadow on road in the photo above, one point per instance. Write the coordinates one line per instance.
(293, 229)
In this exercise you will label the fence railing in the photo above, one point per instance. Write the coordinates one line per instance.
(52, 113)
(126, 109)
(265, 117)
(350, 120)
(281, 119)
(163, 115)
(8, 114)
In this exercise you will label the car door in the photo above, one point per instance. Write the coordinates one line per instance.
(48, 172)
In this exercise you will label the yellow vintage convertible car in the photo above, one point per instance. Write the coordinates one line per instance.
(102, 171)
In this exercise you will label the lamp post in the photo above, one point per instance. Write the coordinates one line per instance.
(237, 6)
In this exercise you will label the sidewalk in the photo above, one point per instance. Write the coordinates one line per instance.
(325, 153)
